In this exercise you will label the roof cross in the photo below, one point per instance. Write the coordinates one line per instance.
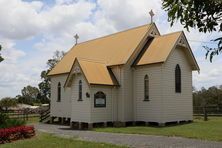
(76, 37)
(151, 15)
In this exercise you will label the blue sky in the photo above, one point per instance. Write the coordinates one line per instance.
(32, 30)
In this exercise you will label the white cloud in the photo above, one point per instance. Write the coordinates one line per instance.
(210, 73)
(12, 76)
(20, 20)
(125, 13)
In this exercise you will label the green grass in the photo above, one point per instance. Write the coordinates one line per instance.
(199, 129)
(32, 120)
(51, 141)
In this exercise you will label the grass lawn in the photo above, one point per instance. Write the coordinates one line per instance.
(42, 140)
(207, 130)
(32, 120)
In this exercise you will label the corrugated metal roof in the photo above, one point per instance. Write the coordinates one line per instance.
(115, 49)
(95, 56)
(97, 73)
(159, 49)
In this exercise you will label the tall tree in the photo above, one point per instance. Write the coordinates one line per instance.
(211, 96)
(1, 58)
(29, 95)
(206, 15)
(30, 92)
(44, 86)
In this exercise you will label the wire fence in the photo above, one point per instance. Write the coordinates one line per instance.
(212, 110)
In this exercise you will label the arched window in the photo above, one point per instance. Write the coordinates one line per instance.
(59, 92)
(177, 79)
(146, 88)
(80, 90)
(100, 99)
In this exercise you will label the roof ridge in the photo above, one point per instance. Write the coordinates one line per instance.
(169, 34)
(114, 34)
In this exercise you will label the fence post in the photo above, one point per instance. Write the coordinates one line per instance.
(205, 112)
(23, 112)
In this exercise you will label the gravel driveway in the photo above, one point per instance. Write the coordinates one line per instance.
(131, 140)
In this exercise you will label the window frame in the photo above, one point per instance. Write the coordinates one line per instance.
(178, 80)
(146, 88)
(59, 92)
(80, 91)
(99, 95)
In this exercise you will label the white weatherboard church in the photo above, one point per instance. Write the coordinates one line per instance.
(136, 75)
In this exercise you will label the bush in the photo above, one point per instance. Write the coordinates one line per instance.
(14, 122)
(15, 133)
(3, 118)
(5, 122)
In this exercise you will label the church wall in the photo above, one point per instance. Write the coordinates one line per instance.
(120, 105)
(80, 111)
(148, 111)
(107, 113)
(63, 108)
(129, 78)
(127, 90)
(177, 106)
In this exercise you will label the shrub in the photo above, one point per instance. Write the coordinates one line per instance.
(3, 118)
(14, 122)
(15, 133)
(5, 122)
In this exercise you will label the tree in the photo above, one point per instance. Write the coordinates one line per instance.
(30, 92)
(7, 102)
(51, 63)
(206, 15)
(210, 96)
(44, 86)
(29, 95)
(1, 58)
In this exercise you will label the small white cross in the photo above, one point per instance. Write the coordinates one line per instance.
(151, 14)
(76, 37)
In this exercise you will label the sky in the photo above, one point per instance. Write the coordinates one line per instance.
(31, 31)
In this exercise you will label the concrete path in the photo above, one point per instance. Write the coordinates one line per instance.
(131, 140)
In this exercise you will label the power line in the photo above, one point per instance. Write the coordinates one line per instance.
(202, 42)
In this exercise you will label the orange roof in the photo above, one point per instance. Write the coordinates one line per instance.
(114, 49)
(97, 73)
(159, 49)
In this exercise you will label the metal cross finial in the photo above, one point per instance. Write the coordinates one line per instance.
(151, 14)
(76, 37)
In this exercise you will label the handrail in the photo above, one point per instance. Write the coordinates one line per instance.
(44, 114)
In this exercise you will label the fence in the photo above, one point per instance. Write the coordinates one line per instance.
(24, 114)
(210, 109)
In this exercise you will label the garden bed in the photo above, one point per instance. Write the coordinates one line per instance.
(15, 133)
